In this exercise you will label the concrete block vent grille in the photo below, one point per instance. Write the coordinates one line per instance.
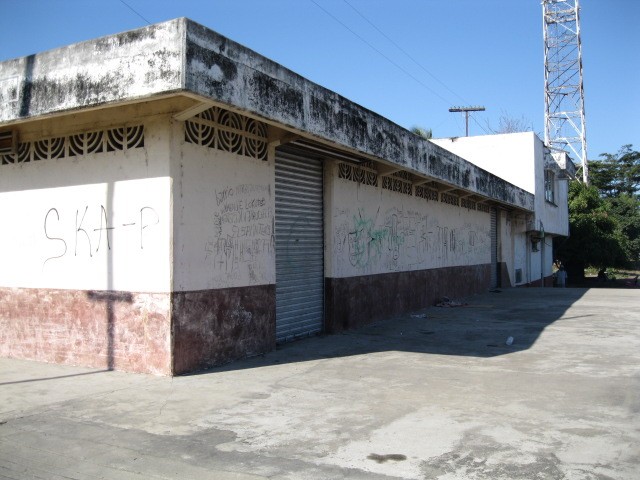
(364, 173)
(228, 131)
(111, 140)
(398, 182)
(427, 193)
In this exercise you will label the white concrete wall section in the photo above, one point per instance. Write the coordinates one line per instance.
(224, 220)
(548, 255)
(561, 225)
(550, 217)
(521, 257)
(506, 231)
(509, 156)
(116, 68)
(91, 222)
(371, 230)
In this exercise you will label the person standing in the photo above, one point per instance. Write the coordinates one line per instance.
(562, 277)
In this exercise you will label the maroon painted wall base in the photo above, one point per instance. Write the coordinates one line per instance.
(213, 327)
(159, 333)
(111, 330)
(181, 332)
(355, 301)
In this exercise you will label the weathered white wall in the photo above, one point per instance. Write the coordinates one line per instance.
(224, 208)
(117, 68)
(506, 242)
(93, 222)
(520, 257)
(562, 213)
(509, 156)
(372, 230)
(518, 158)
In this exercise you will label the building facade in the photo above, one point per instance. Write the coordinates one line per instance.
(177, 201)
(524, 160)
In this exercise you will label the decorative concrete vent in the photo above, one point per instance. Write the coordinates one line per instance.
(427, 193)
(398, 182)
(114, 139)
(364, 173)
(450, 199)
(468, 204)
(228, 131)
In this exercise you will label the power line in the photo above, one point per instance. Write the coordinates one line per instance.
(395, 44)
(380, 53)
(135, 11)
(479, 124)
(422, 84)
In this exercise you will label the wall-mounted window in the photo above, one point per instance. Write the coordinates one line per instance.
(549, 186)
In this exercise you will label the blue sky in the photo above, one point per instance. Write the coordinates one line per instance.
(469, 52)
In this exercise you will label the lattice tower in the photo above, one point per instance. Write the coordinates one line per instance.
(563, 87)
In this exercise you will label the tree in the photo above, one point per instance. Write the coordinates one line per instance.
(617, 177)
(510, 124)
(626, 210)
(595, 235)
(617, 174)
(425, 133)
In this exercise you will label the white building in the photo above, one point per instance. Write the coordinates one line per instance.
(522, 159)
(176, 201)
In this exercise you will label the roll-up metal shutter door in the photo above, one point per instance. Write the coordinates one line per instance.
(494, 248)
(299, 245)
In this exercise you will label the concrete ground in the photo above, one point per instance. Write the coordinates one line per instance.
(435, 397)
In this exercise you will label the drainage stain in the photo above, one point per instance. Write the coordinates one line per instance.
(396, 457)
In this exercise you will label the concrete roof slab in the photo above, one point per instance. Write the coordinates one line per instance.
(181, 56)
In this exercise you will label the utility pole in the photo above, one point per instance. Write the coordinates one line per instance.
(564, 119)
(466, 111)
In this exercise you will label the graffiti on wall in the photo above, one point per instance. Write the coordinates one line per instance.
(403, 239)
(243, 226)
(90, 229)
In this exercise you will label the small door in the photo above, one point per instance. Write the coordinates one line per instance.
(299, 245)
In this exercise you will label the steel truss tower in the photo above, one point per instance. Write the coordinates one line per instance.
(563, 88)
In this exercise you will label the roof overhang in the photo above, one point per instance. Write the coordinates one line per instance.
(181, 57)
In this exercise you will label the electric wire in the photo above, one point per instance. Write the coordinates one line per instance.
(393, 62)
(479, 124)
(417, 80)
(410, 57)
(135, 11)
(395, 44)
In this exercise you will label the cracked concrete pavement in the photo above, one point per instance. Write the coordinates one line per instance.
(439, 396)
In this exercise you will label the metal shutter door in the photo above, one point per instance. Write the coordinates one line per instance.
(299, 246)
(494, 248)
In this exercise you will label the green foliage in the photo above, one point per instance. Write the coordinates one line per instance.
(617, 177)
(595, 238)
(617, 174)
(425, 133)
(604, 219)
(626, 210)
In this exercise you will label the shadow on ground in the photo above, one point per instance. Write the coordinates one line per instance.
(481, 328)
